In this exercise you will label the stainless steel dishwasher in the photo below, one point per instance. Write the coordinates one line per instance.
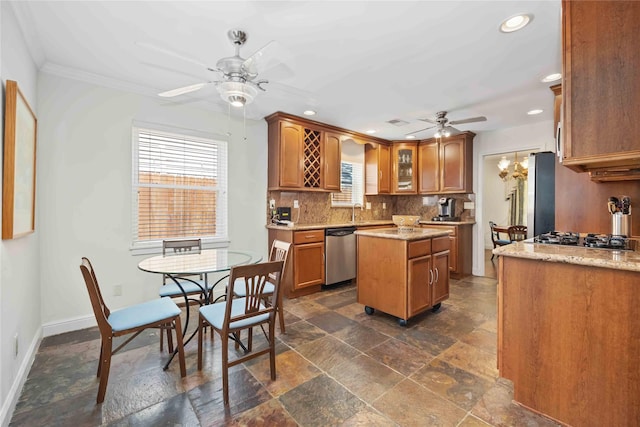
(340, 254)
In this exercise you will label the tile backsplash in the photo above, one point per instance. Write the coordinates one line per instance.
(315, 207)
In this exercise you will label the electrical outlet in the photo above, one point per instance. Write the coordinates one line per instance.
(117, 290)
(272, 204)
(384, 205)
(296, 205)
(368, 206)
(16, 341)
(469, 205)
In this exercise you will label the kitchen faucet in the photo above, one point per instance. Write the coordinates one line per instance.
(353, 212)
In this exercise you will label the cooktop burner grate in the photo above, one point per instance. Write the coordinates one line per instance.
(590, 240)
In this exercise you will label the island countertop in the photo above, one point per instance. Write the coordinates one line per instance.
(605, 258)
(394, 233)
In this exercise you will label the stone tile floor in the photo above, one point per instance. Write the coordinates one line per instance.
(336, 366)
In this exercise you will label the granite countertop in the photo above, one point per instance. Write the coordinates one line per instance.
(394, 233)
(605, 258)
(367, 223)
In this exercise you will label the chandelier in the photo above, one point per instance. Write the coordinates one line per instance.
(520, 169)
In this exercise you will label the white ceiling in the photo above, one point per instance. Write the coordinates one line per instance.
(358, 64)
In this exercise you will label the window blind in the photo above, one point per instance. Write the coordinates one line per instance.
(351, 185)
(179, 187)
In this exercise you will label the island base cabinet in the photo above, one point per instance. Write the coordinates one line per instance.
(402, 278)
(569, 339)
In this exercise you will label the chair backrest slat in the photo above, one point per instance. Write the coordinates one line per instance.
(181, 246)
(100, 309)
(517, 232)
(254, 278)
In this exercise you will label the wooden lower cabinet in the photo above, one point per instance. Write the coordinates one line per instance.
(460, 253)
(402, 278)
(568, 338)
(305, 274)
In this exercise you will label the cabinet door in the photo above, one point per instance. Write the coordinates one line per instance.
(308, 265)
(419, 284)
(452, 164)
(331, 157)
(377, 179)
(384, 169)
(290, 155)
(429, 168)
(441, 279)
(600, 84)
(404, 169)
(453, 255)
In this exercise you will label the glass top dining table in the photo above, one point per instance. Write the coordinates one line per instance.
(207, 261)
(203, 263)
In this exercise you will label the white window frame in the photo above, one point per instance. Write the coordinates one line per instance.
(155, 245)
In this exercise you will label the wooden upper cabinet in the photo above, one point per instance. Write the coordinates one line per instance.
(290, 158)
(377, 176)
(404, 168)
(429, 167)
(332, 157)
(446, 165)
(302, 156)
(601, 102)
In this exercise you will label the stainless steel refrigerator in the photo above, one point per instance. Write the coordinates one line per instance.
(541, 190)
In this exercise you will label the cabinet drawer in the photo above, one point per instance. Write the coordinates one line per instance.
(441, 244)
(419, 248)
(310, 236)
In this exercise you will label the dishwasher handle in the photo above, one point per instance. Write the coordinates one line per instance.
(343, 231)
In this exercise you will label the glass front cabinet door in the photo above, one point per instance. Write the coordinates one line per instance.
(404, 168)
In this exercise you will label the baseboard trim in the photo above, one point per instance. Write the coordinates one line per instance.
(74, 324)
(9, 406)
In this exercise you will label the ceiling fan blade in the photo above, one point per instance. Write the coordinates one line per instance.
(183, 90)
(470, 120)
(253, 63)
(418, 131)
(429, 121)
(170, 52)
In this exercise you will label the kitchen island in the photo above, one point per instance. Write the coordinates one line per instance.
(569, 331)
(402, 273)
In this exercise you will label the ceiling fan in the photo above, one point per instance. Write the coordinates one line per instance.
(444, 126)
(238, 83)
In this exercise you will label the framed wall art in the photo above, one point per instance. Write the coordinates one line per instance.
(19, 173)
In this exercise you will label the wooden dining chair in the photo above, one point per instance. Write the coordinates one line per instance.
(228, 318)
(517, 232)
(495, 237)
(130, 320)
(279, 252)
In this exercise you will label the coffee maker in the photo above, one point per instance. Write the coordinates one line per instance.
(446, 209)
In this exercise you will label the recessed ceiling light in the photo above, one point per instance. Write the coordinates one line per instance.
(309, 113)
(552, 77)
(516, 22)
(534, 112)
(410, 137)
(370, 131)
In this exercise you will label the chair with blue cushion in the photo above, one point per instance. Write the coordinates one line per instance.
(129, 320)
(495, 237)
(279, 252)
(228, 318)
(192, 285)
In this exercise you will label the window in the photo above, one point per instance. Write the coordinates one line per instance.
(179, 187)
(351, 185)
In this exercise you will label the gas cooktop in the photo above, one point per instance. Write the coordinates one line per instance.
(590, 240)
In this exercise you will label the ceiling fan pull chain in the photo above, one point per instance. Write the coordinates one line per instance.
(244, 120)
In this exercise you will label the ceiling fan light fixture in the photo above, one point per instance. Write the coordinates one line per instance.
(551, 77)
(516, 22)
(237, 94)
